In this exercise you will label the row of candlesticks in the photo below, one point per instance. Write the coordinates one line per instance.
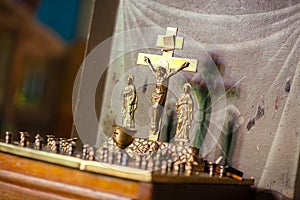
(65, 146)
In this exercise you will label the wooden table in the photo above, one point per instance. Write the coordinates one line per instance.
(25, 178)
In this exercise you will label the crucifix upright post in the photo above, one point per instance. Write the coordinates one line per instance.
(166, 66)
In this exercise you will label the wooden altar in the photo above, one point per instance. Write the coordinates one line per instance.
(31, 174)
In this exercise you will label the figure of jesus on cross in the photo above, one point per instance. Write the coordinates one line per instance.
(160, 93)
(166, 66)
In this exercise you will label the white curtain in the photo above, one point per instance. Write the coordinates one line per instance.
(259, 44)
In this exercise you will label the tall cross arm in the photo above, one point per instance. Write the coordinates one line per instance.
(171, 42)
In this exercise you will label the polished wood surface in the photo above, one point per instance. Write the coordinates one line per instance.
(24, 178)
(64, 181)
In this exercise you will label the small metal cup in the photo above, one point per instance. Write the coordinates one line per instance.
(122, 136)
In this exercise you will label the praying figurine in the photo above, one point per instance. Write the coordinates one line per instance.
(38, 142)
(129, 103)
(8, 137)
(71, 148)
(184, 107)
(162, 75)
(24, 139)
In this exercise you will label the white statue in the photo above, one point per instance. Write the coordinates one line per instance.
(184, 107)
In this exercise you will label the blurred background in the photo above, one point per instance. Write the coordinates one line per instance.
(42, 45)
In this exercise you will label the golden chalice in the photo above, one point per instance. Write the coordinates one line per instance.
(123, 136)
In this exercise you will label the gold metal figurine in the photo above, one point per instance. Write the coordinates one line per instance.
(38, 142)
(162, 75)
(8, 137)
(129, 103)
(24, 139)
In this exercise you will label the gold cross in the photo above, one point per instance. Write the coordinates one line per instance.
(169, 43)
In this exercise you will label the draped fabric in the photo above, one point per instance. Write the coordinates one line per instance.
(259, 44)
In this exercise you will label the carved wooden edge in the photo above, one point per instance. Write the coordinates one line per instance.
(47, 186)
(68, 176)
(76, 163)
(10, 191)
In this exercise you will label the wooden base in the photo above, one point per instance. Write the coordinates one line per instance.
(24, 178)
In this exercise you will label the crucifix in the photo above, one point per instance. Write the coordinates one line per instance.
(166, 66)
